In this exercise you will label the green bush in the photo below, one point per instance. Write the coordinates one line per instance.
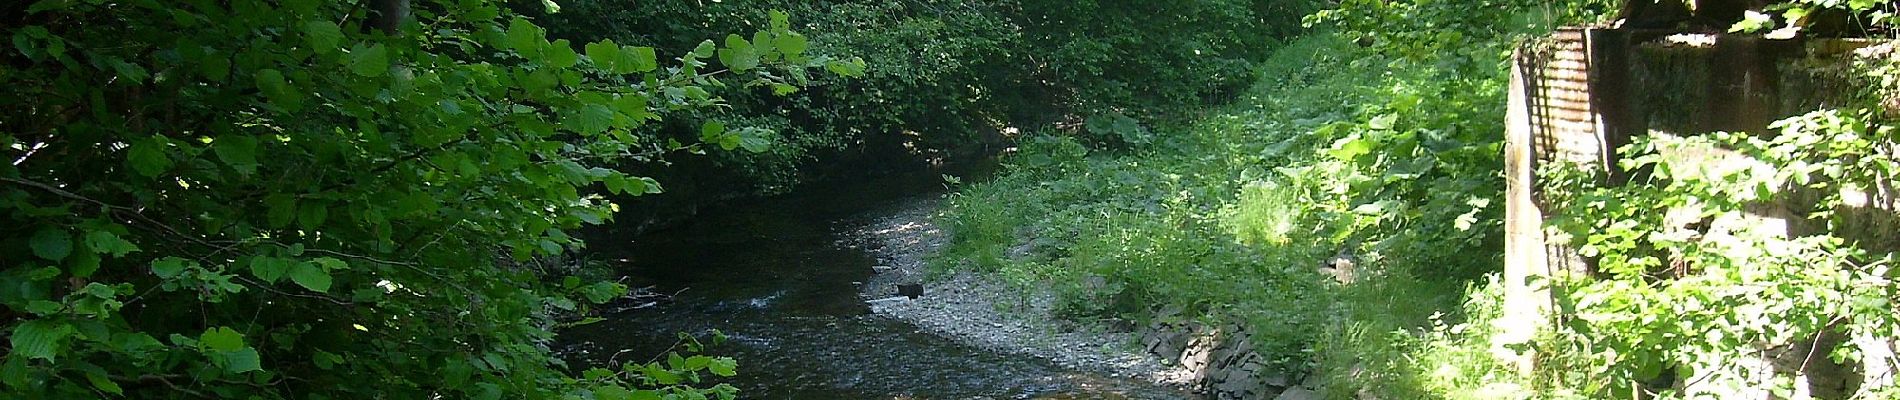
(948, 79)
(264, 199)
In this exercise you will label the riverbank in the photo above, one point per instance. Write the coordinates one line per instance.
(985, 312)
(780, 279)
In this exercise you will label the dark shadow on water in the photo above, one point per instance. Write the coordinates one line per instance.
(779, 279)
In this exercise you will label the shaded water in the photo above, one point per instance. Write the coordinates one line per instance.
(778, 277)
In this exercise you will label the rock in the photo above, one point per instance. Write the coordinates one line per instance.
(1275, 380)
(1299, 394)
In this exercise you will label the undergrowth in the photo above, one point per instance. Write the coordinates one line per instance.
(1355, 144)
(1230, 217)
(1381, 145)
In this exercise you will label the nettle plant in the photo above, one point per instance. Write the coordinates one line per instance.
(307, 199)
(1687, 285)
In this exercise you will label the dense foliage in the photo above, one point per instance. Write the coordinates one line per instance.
(308, 199)
(1737, 260)
(1685, 288)
(339, 200)
(1387, 155)
(952, 79)
(1393, 162)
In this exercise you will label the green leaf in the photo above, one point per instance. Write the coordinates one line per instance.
(605, 54)
(51, 243)
(618, 184)
(602, 292)
(106, 242)
(169, 267)
(238, 151)
(311, 214)
(675, 362)
(372, 61)
(325, 360)
(496, 361)
(524, 36)
(126, 71)
(242, 360)
(661, 375)
(723, 366)
(711, 130)
(561, 54)
(590, 119)
(221, 338)
(1753, 21)
(104, 383)
(14, 373)
(1382, 122)
(634, 107)
(271, 269)
(43, 307)
(323, 36)
(276, 88)
(148, 158)
(540, 81)
(652, 186)
(612, 393)
(782, 89)
(311, 276)
(705, 49)
(696, 363)
(283, 208)
(853, 68)
(42, 339)
(780, 21)
(793, 43)
(135, 342)
(83, 264)
(330, 264)
(738, 54)
(755, 140)
(1350, 148)
(641, 59)
(487, 391)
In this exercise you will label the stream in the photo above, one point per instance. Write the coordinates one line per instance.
(780, 278)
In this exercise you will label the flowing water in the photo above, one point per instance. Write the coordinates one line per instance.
(780, 280)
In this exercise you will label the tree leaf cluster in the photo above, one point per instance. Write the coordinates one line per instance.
(270, 199)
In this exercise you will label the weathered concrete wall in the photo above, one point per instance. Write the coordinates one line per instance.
(1579, 95)
(1690, 84)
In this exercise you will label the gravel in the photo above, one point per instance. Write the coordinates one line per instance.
(983, 312)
